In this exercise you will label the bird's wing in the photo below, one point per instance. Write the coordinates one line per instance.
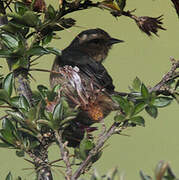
(89, 67)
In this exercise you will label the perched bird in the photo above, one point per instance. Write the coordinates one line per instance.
(87, 52)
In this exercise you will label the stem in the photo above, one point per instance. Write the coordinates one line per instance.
(95, 150)
(167, 77)
(64, 155)
(78, 6)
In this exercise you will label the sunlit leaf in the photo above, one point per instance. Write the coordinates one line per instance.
(58, 112)
(162, 101)
(16, 115)
(8, 84)
(136, 85)
(85, 146)
(54, 51)
(9, 40)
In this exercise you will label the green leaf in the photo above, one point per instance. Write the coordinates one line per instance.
(21, 62)
(7, 136)
(20, 8)
(176, 97)
(31, 19)
(162, 101)
(51, 12)
(54, 51)
(9, 40)
(43, 90)
(47, 39)
(124, 104)
(56, 88)
(16, 115)
(8, 84)
(14, 101)
(121, 4)
(31, 114)
(5, 145)
(152, 111)
(58, 112)
(85, 146)
(9, 176)
(7, 125)
(23, 103)
(144, 177)
(37, 51)
(4, 95)
(136, 85)
(5, 54)
(138, 108)
(20, 153)
(138, 120)
(119, 118)
(144, 91)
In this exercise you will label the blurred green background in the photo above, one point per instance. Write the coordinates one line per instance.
(147, 58)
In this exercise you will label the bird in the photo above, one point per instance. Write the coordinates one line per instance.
(87, 52)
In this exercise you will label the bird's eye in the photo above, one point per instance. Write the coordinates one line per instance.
(96, 41)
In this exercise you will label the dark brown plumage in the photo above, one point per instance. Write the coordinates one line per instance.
(87, 52)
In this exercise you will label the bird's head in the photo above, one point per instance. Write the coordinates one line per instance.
(95, 42)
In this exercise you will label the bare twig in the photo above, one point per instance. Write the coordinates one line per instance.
(64, 155)
(78, 6)
(95, 150)
(171, 75)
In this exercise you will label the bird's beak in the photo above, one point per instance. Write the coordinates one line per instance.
(114, 41)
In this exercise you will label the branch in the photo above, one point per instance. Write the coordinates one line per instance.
(112, 130)
(171, 75)
(64, 155)
(78, 6)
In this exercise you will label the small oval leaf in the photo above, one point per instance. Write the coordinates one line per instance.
(152, 111)
(162, 101)
(8, 84)
(139, 107)
(144, 91)
(138, 120)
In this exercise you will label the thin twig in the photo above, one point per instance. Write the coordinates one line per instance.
(95, 150)
(167, 77)
(64, 155)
